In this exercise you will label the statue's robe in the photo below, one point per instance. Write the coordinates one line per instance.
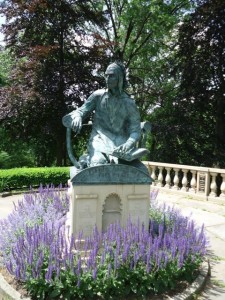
(116, 120)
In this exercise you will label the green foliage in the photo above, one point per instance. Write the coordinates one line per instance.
(23, 158)
(52, 71)
(15, 153)
(31, 177)
(127, 283)
(200, 101)
(174, 52)
(4, 160)
(143, 36)
(6, 63)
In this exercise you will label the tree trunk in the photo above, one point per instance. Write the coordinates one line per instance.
(60, 150)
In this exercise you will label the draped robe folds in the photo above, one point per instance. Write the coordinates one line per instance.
(116, 119)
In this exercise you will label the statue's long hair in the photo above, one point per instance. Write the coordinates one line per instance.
(121, 73)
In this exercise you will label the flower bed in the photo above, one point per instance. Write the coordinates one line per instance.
(120, 263)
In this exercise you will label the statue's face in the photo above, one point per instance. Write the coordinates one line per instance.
(111, 78)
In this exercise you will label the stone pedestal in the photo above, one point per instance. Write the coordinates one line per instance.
(106, 194)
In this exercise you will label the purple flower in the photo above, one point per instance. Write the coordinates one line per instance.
(35, 243)
(94, 273)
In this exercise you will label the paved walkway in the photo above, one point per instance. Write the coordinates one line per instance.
(211, 214)
(6, 204)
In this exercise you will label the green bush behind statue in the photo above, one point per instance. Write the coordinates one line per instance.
(20, 178)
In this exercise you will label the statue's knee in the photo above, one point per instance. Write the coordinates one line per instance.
(97, 159)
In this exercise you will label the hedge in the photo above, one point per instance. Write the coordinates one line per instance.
(19, 178)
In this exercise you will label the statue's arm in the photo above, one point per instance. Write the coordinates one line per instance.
(86, 108)
(75, 118)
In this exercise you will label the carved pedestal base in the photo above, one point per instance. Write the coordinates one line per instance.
(116, 196)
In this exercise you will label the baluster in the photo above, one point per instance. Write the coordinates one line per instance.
(175, 179)
(184, 181)
(167, 179)
(153, 175)
(193, 182)
(160, 177)
(222, 188)
(213, 185)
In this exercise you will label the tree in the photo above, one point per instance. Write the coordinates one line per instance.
(13, 153)
(140, 33)
(50, 37)
(53, 69)
(202, 71)
(143, 34)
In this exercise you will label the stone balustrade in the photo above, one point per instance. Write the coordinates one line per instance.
(197, 182)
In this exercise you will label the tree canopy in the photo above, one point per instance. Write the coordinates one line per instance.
(53, 68)
(202, 70)
(141, 34)
(173, 50)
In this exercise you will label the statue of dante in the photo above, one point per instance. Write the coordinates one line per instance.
(116, 125)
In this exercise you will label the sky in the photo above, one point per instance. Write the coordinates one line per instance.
(2, 20)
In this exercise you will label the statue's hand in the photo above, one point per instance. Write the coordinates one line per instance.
(124, 148)
(76, 124)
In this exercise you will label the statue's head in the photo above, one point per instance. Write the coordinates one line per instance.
(116, 76)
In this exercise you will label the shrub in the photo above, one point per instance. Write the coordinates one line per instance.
(14, 153)
(118, 263)
(4, 159)
(27, 177)
(17, 160)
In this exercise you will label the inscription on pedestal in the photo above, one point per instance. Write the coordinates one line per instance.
(111, 174)
(86, 216)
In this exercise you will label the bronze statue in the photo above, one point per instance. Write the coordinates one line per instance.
(116, 127)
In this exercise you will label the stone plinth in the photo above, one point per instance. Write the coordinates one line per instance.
(106, 194)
